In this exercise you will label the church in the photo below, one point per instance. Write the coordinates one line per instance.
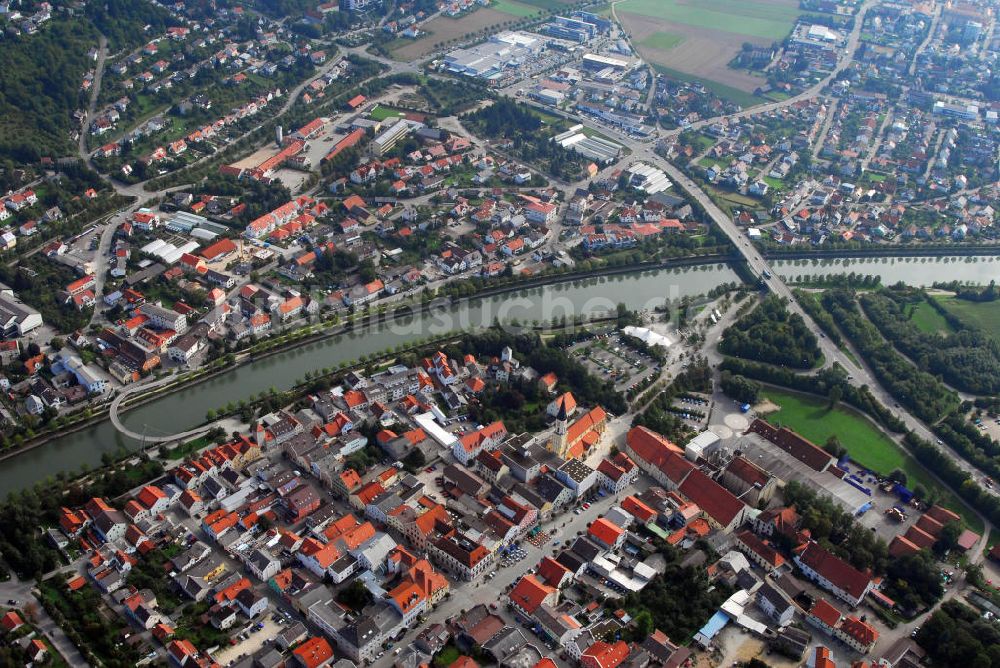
(573, 441)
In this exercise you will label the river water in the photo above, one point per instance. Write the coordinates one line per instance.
(185, 409)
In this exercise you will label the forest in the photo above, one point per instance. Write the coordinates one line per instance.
(771, 334)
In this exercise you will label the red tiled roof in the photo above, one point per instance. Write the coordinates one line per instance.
(605, 531)
(717, 502)
(529, 593)
(606, 655)
(836, 570)
(865, 634)
(825, 612)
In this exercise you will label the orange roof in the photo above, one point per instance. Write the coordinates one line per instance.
(313, 652)
(606, 655)
(638, 509)
(221, 247)
(585, 424)
(864, 633)
(529, 593)
(551, 571)
(605, 531)
(821, 659)
(825, 612)
(11, 621)
(407, 595)
(568, 399)
(463, 662)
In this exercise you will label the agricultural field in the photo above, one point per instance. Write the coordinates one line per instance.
(663, 41)
(699, 38)
(814, 419)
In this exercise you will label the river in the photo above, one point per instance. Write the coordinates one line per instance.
(185, 409)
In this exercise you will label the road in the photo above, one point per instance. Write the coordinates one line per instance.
(142, 387)
(95, 91)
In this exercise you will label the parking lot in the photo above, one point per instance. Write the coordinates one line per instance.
(250, 639)
(610, 356)
(693, 409)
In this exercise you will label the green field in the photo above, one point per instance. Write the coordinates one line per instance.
(740, 97)
(866, 445)
(927, 319)
(518, 9)
(752, 18)
(381, 113)
(985, 315)
(548, 5)
(662, 40)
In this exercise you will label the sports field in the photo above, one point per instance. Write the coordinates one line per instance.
(381, 113)
(865, 444)
(711, 33)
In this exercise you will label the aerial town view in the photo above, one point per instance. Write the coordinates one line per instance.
(515, 333)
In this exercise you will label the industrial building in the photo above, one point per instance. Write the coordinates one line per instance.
(647, 178)
(595, 148)
(16, 317)
(592, 61)
(489, 60)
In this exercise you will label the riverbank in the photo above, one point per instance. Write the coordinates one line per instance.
(882, 251)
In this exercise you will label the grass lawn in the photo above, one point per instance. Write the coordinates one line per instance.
(865, 444)
(518, 9)
(985, 315)
(381, 113)
(776, 184)
(740, 97)
(662, 40)
(927, 319)
(447, 656)
(752, 18)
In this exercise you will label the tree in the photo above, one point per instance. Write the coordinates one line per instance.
(834, 396)
(899, 476)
